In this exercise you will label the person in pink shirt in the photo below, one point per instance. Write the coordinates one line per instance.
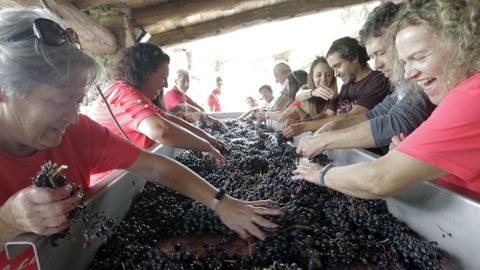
(177, 102)
(446, 146)
(213, 100)
(176, 99)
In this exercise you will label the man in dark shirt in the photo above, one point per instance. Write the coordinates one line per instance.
(362, 87)
(401, 112)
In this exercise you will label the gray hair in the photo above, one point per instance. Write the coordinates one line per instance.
(27, 63)
(182, 72)
(282, 67)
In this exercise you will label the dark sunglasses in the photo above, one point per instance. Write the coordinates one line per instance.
(48, 32)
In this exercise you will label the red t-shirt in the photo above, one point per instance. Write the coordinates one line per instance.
(214, 102)
(174, 97)
(86, 148)
(130, 107)
(450, 138)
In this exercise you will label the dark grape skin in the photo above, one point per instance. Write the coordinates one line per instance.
(96, 224)
(321, 228)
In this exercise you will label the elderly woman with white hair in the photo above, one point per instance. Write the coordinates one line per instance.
(43, 80)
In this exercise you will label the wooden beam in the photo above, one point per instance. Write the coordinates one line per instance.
(93, 36)
(19, 3)
(90, 3)
(131, 3)
(281, 11)
(170, 15)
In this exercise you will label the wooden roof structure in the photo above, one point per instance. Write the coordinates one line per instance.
(104, 26)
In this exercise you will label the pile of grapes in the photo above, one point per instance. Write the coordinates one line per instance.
(321, 228)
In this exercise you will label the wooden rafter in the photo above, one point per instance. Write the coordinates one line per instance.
(280, 11)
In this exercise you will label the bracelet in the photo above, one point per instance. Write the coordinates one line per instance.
(324, 171)
(216, 200)
(311, 92)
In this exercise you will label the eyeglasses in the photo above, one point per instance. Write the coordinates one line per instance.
(48, 32)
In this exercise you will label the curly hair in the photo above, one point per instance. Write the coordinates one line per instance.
(349, 48)
(138, 62)
(378, 20)
(455, 23)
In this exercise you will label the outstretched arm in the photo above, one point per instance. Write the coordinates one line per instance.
(241, 216)
(166, 132)
(381, 178)
(358, 136)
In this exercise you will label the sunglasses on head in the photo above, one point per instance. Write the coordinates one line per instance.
(48, 32)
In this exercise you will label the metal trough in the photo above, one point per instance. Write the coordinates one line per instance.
(446, 216)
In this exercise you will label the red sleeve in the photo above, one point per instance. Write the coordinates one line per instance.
(295, 104)
(137, 107)
(449, 139)
(171, 99)
(109, 151)
(374, 91)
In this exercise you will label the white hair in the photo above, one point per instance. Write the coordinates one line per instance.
(26, 63)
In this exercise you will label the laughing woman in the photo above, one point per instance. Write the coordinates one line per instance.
(446, 146)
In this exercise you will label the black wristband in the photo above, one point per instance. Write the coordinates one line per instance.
(220, 194)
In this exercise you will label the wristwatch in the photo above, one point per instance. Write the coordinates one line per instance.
(216, 200)
(323, 172)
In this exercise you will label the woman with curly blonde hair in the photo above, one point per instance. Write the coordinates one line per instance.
(437, 43)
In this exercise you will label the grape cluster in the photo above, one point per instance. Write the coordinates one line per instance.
(97, 225)
(321, 228)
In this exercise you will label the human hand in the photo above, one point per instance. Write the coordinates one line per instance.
(309, 172)
(310, 146)
(215, 154)
(323, 92)
(216, 122)
(215, 142)
(192, 116)
(40, 210)
(293, 130)
(396, 140)
(289, 122)
(289, 113)
(244, 217)
(261, 115)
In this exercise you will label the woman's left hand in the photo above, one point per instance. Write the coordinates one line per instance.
(308, 172)
(245, 217)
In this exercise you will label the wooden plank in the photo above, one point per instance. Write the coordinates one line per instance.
(131, 3)
(19, 3)
(281, 11)
(93, 36)
(177, 11)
